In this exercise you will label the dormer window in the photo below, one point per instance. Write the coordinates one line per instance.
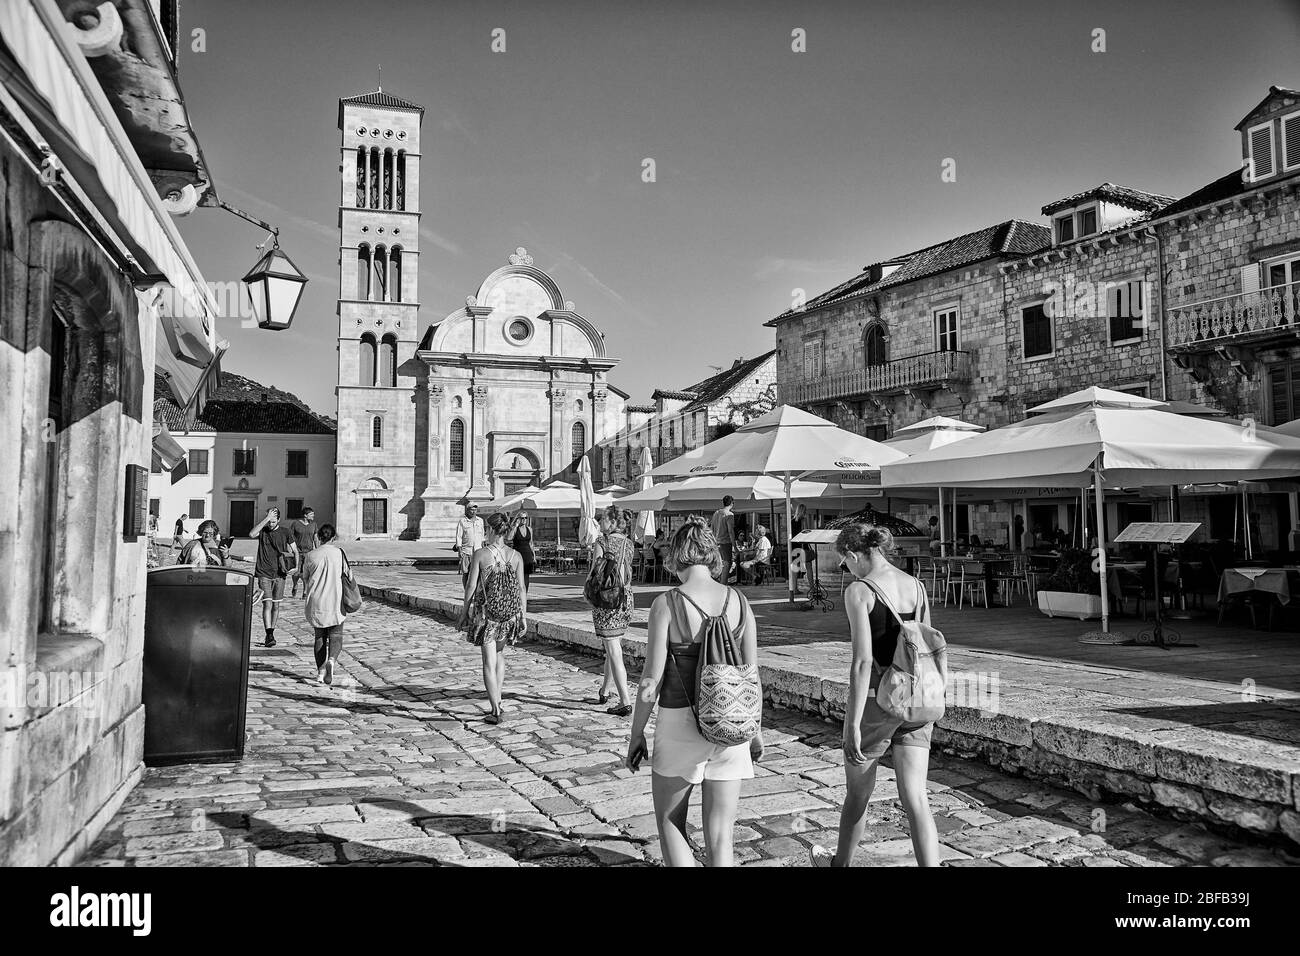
(1064, 228)
(1291, 141)
(1076, 224)
(1260, 141)
(1086, 221)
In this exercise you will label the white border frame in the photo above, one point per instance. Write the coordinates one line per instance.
(953, 306)
(1050, 318)
(1282, 152)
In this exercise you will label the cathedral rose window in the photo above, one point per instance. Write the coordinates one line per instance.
(519, 330)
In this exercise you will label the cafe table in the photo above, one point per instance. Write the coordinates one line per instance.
(1267, 580)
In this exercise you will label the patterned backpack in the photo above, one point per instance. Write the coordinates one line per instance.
(912, 687)
(728, 700)
(604, 586)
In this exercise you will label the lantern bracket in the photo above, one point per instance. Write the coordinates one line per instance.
(274, 231)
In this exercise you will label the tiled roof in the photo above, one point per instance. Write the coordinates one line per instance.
(669, 393)
(380, 98)
(237, 406)
(1109, 192)
(1014, 237)
(1225, 187)
(716, 386)
(167, 412)
(1272, 92)
(647, 409)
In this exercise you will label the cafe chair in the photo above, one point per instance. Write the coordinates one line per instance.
(1010, 577)
(964, 584)
(1130, 585)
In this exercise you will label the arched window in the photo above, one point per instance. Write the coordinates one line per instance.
(363, 272)
(368, 355)
(374, 177)
(456, 447)
(401, 180)
(390, 162)
(578, 439)
(876, 345)
(395, 273)
(388, 360)
(379, 287)
(376, 432)
(361, 178)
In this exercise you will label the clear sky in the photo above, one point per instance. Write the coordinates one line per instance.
(776, 170)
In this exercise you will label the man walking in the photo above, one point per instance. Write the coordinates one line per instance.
(723, 524)
(469, 538)
(276, 554)
(304, 536)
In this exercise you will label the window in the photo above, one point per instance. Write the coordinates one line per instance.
(1075, 224)
(812, 359)
(945, 329)
(376, 432)
(1291, 141)
(1065, 228)
(155, 506)
(296, 466)
(1087, 221)
(456, 446)
(401, 179)
(1124, 311)
(875, 346)
(1281, 274)
(198, 461)
(363, 272)
(672, 435)
(361, 178)
(245, 461)
(519, 330)
(1139, 390)
(578, 440)
(369, 360)
(293, 508)
(1283, 393)
(197, 508)
(397, 273)
(876, 432)
(1260, 140)
(1036, 327)
(388, 360)
(379, 275)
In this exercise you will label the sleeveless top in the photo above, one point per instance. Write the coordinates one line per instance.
(499, 589)
(885, 631)
(617, 546)
(523, 543)
(677, 686)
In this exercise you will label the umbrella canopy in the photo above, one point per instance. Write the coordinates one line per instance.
(558, 496)
(512, 502)
(706, 491)
(1291, 429)
(613, 490)
(931, 433)
(645, 521)
(588, 529)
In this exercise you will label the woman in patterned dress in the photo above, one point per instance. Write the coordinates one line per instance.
(496, 605)
(611, 623)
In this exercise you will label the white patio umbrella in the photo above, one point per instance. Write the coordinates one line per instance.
(558, 497)
(588, 529)
(927, 435)
(645, 520)
(1106, 439)
(615, 491)
(789, 444)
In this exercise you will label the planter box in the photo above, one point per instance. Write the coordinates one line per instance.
(1083, 607)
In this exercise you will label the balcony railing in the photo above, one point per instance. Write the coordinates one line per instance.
(1245, 317)
(926, 370)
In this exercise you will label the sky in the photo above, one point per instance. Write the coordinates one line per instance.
(775, 170)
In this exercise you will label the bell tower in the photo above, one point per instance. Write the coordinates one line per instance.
(378, 311)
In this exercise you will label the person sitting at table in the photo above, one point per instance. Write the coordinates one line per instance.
(936, 545)
(762, 553)
(975, 541)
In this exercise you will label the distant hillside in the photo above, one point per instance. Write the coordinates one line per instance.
(229, 408)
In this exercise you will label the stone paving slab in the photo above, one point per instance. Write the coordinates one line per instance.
(547, 787)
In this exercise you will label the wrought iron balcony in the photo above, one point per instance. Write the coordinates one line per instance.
(927, 370)
(1245, 318)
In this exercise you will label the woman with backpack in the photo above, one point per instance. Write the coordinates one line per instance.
(496, 605)
(609, 592)
(700, 616)
(878, 601)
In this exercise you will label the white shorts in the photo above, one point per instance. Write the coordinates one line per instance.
(680, 751)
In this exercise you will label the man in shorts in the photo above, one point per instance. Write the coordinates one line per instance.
(276, 554)
(304, 536)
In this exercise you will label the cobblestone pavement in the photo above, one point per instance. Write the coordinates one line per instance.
(395, 765)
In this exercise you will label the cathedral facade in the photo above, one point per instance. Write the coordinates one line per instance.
(506, 390)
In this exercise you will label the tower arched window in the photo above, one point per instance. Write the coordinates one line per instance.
(388, 360)
(390, 164)
(375, 177)
(456, 446)
(876, 345)
(401, 180)
(368, 356)
(361, 178)
(363, 272)
(578, 440)
(379, 283)
(377, 432)
(395, 273)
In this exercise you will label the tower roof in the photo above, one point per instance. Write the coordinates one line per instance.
(381, 99)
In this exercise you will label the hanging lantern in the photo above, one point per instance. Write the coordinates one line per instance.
(274, 286)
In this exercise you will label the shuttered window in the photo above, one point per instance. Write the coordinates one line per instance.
(1261, 151)
(1036, 326)
(1283, 393)
(812, 359)
(1291, 141)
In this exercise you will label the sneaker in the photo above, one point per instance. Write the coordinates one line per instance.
(269, 642)
(820, 856)
(329, 671)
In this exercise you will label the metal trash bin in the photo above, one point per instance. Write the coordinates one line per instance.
(197, 627)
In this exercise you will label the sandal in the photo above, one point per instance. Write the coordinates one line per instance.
(622, 710)
(602, 697)
(493, 717)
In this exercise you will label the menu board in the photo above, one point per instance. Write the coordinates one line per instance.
(1157, 532)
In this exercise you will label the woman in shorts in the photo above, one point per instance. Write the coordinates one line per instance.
(683, 759)
(868, 730)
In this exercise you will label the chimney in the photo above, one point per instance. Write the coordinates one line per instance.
(739, 362)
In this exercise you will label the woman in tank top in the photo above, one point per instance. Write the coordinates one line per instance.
(868, 730)
(682, 757)
(522, 541)
(496, 607)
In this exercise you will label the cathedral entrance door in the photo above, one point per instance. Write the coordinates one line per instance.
(374, 516)
(241, 518)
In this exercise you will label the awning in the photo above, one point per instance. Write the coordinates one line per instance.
(167, 451)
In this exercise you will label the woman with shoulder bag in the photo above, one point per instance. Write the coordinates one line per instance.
(868, 730)
(324, 570)
(496, 607)
(611, 613)
(680, 621)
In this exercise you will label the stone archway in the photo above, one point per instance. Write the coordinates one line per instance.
(514, 469)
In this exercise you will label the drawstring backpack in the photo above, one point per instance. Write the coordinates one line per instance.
(912, 687)
(728, 704)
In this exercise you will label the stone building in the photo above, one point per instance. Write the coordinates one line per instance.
(506, 390)
(682, 419)
(1189, 299)
(251, 448)
(97, 292)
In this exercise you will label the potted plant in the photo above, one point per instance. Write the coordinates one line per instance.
(1073, 589)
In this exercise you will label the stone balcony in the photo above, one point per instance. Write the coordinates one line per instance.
(927, 370)
(1247, 318)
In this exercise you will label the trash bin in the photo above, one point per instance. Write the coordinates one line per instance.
(197, 625)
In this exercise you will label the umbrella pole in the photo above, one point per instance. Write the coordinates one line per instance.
(789, 568)
(1101, 548)
(943, 527)
(1245, 520)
